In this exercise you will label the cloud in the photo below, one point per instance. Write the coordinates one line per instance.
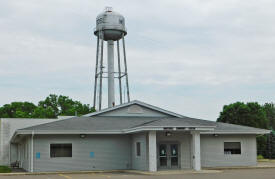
(190, 56)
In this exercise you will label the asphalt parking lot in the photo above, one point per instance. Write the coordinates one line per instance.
(226, 174)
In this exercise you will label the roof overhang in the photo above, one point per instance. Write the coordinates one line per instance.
(124, 131)
(237, 132)
(169, 128)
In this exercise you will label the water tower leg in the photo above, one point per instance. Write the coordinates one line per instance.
(111, 80)
(125, 65)
(96, 68)
(119, 73)
(101, 69)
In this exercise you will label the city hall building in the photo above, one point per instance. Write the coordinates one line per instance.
(136, 136)
(132, 135)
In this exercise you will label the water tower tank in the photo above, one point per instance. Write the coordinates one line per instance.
(112, 24)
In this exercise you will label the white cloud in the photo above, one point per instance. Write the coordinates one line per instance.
(181, 54)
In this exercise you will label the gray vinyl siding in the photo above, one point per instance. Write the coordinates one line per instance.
(14, 152)
(140, 162)
(110, 152)
(184, 141)
(26, 154)
(146, 112)
(212, 151)
(7, 128)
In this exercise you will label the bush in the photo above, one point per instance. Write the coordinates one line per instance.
(259, 157)
(5, 169)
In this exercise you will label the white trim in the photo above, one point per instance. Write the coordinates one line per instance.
(126, 131)
(196, 150)
(152, 151)
(236, 132)
(204, 130)
(32, 151)
(9, 153)
(161, 128)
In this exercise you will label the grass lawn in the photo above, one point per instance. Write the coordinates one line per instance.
(5, 169)
(266, 160)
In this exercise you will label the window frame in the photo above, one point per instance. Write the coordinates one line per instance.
(232, 154)
(50, 151)
(138, 149)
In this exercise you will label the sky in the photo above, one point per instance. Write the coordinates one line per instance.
(188, 56)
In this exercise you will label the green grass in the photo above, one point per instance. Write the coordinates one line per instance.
(266, 160)
(5, 169)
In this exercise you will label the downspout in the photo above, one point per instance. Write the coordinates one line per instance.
(9, 152)
(32, 152)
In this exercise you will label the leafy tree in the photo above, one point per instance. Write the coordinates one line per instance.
(50, 102)
(17, 110)
(41, 112)
(270, 113)
(51, 107)
(65, 106)
(250, 114)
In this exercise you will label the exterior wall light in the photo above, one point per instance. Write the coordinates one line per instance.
(82, 136)
(168, 134)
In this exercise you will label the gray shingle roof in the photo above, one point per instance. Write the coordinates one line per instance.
(96, 123)
(93, 123)
(225, 127)
(179, 122)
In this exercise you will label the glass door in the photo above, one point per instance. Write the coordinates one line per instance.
(168, 156)
(174, 162)
(163, 156)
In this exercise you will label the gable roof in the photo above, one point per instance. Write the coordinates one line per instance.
(132, 103)
(124, 125)
(107, 123)
(93, 123)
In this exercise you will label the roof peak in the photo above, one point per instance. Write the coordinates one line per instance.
(138, 103)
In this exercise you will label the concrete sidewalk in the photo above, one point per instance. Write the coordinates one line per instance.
(137, 172)
(261, 165)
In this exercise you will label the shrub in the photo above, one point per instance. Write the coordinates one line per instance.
(260, 157)
(5, 169)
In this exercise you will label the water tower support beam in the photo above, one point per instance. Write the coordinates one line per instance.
(101, 35)
(96, 69)
(119, 73)
(111, 69)
(125, 65)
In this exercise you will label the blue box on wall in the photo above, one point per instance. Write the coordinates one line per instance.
(92, 154)
(37, 155)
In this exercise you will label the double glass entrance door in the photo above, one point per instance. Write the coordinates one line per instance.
(168, 156)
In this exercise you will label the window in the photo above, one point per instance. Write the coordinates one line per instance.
(61, 150)
(232, 148)
(138, 148)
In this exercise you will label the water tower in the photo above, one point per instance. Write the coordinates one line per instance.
(110, 28)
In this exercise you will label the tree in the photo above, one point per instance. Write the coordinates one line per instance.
(250, 114)
(41, 112)
(270, 113)
(51, 107)
(50, 102)
(17, 110)
(65, 106)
